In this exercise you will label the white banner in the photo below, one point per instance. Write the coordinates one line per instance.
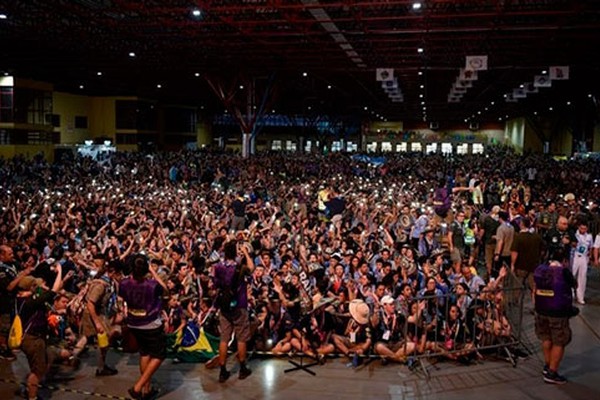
(384, 74)
(463, 84)
(519, 93)
(477, 63)
(467, 74)
(530, 88)
(542, 81)
(559, 73)
(391, 84)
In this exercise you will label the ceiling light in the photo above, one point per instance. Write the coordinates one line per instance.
(416, 6)
(550, 109)
(544, 72)
(305, 74)
(196, 13)
(505, 96)
(420, 50)
(6, 74)
(242, 87)
(3, 16)
(131, 54)
(568, 103)
(492, 103)
(535, 113)
(422, 86)
(366, 108)
(328, 86)
(422, 102)
(466, 119)
(197, 74)
(421, 96)
(99, 73)
(499, 118)
(81, 86)
(273, 111)
(590, 95)
(420, 73)
(309, 107)
(486, 109)
(522, 86)
(159, 86)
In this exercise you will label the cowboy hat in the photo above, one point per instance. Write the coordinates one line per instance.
(359, 310)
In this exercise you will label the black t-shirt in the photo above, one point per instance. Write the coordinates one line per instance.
(239, 207)
(490, 225)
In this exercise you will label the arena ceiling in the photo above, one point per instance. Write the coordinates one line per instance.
(320, 55)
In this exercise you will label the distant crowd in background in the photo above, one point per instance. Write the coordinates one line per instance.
(393, 258)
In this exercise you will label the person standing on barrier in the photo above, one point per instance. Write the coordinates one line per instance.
(525, 253)
(229, 278)
(554, 285)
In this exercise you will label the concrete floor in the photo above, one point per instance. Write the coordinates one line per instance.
(492, 378)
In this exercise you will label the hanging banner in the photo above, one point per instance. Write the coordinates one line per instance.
(559, 73)
(519, 93)
(384, 74)
(463, 84)
(391, 84)
(467, 74)
(477, 63)
(542, 81)
(530, 88)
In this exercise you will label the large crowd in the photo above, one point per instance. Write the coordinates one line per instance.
(394, 258)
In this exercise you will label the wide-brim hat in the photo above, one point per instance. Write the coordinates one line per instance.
(359, 310)
(30, 283)
(323, 301)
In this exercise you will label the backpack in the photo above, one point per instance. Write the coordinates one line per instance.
(16, 333)
(15, 336)
(226, 299)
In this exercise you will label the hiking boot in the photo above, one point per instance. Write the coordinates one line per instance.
(554, 378)
(244, 372)
(224, 375)
(106, 371)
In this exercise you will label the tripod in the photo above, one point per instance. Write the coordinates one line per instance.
(301, 365)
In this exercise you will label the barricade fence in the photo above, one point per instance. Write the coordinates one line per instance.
(444, 326)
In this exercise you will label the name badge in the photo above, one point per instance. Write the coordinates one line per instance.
(386, 335)
(352, 337)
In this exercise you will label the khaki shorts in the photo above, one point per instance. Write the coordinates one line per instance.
(88, 328)
(554, 329)
(34, 348)
(455, 255)
(237, 322)
(490, 249)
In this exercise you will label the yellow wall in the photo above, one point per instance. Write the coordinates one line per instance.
(28, 150)
(596, 143)
(203, 134)
(69, 106)
(514, 133)
(102, 119)
(532, 141)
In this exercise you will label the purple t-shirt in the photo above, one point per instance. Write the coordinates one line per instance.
(144, 301)
(224, 272)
